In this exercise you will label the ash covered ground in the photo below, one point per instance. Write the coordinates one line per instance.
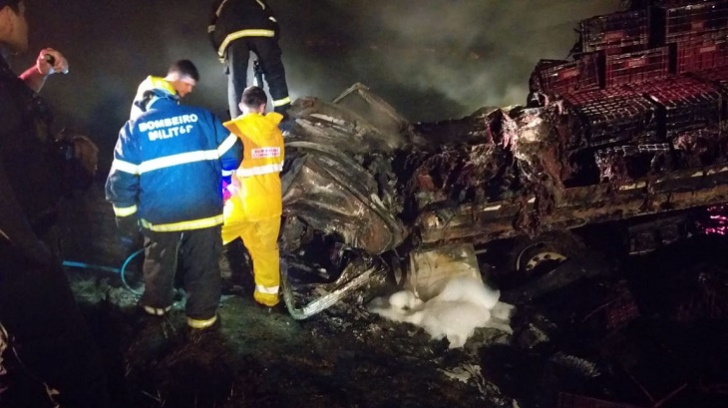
(649, 331)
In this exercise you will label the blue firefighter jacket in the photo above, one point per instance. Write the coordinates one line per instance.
(168, 166)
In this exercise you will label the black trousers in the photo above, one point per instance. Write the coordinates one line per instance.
(47, 330)
(269, 55)
(195, 254)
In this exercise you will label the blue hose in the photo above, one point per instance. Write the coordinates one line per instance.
(121, 272)
(71, 264)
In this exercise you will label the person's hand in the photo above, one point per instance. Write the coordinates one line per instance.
(59, 62)
(227, 188)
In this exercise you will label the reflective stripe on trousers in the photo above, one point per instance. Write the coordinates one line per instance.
(201, 324)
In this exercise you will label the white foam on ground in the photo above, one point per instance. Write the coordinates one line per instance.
(463, 305)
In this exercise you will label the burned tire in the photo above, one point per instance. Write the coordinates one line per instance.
(536, 256)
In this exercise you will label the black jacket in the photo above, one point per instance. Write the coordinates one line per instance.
(30, 185)
(232, 19)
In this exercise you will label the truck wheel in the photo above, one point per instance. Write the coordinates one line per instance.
(536, 256)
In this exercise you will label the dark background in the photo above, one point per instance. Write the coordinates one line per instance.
(431, 59)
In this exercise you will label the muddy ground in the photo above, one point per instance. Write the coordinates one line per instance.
(650, 333)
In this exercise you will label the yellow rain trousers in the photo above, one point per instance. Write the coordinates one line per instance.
(253, 212)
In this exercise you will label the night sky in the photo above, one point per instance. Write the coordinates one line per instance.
(431, 59)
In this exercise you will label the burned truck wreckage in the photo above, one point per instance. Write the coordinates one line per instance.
(628, 137)
(369, 186)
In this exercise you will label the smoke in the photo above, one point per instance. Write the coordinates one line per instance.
(434, 59)
(431, 59)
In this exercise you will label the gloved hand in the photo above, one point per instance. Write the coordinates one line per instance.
(226, 188)
(127, 226)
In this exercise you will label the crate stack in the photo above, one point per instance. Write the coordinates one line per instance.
(718, 78)
(622, 41)
(602, 38)
(695, 31)
(684, 105)
(604, 117)
(617, 116)
(558, 77)
(615, 33)
(645, 83)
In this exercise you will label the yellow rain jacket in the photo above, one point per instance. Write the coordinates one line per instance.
(257, 182)
(254, 209)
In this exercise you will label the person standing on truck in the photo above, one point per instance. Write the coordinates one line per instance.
(47, 354)
(166, 178)
(254, 209)
(238, 27)
(182, 77)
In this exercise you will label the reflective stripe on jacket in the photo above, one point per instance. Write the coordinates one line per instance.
(257, 179)
(231, 20)
(167, 167)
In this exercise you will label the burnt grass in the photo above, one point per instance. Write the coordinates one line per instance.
(666, 343)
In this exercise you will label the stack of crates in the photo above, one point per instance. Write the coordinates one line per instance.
(636, 67)
(645, 81)
(684, 104)
(634, 47)
(696, 32)
(556, 77)
(622, 39)
(718, 78)
(615, 33)
(608, 116)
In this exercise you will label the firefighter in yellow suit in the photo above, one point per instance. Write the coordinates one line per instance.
(253, 211)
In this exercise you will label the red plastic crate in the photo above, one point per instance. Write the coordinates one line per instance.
(714, 75)
(684, 104)
(673, 22)
(567, 400)
(614, 50)
(567, 77)
(699, 54)
(582, 98)
(636, 67)
(614, 30)
(607, 116)
(719, 79)
(579, 124)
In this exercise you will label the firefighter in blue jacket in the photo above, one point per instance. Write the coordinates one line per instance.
(166, 178)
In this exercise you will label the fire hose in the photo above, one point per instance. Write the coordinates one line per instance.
(121, 271)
